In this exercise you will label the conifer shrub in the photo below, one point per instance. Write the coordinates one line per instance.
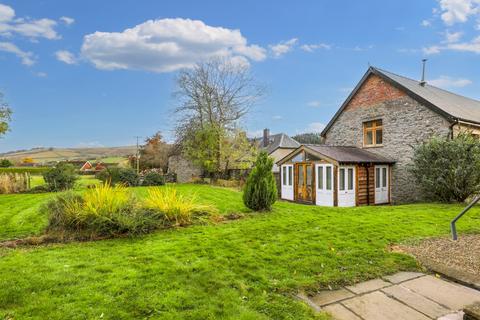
(260, 191)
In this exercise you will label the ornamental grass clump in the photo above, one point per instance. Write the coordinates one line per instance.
(175, 208)
(101, 211)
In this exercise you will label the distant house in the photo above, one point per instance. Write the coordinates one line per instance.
(87, 167)
(368, 143)
(277, 146)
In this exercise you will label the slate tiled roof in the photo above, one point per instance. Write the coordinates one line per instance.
(340, 154)
(280, 140)
(452, 106)
(347, 154)
(455, 105)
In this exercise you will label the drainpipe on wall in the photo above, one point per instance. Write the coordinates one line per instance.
(451, 128)
(368, 184)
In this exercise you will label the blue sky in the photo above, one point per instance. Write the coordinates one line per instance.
(92, 73)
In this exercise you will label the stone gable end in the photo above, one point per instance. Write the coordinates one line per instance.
(373, 91)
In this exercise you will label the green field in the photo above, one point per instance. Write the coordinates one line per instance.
(245, 269)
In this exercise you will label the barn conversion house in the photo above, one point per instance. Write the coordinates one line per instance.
(368, 143)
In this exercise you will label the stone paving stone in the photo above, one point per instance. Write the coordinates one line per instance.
(416, 301)
(327, 297)
(443, 292)
(339, 312)
(403, 276)
(368, 286)
(453, 316)
(377, 306)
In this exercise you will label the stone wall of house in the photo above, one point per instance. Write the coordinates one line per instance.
(406, 123)
(184, 169)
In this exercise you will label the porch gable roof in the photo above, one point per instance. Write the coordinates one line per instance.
(339, 154)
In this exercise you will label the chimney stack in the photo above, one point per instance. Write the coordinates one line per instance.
(266, 137)
(422, 82)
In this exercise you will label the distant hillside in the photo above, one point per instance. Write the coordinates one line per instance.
(40, 155)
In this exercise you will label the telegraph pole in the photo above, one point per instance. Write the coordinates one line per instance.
(137, 156)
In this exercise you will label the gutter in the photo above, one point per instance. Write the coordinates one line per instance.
(451, 127)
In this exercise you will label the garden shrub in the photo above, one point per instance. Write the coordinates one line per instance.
(175, 208)
(5, 163)
(102, 211)
(13, 182)
(448, 169)
(60, 178)
(107, 211)
(126, 176)
(152, 178)
(260, 191)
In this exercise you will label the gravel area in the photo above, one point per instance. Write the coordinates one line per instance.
(462, 255)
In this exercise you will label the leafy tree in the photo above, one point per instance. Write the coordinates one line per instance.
(448, 169)
(261, 190)
(310, 138)
(60, 178)
(5, 163)
(5, 116)
(155, 152)
(214, 96)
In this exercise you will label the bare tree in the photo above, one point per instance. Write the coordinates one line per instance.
(214, 96)
(5, 116)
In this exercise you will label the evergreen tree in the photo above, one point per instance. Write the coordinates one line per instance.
(261, 190)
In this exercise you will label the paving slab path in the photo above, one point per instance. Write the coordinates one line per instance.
(401, 296)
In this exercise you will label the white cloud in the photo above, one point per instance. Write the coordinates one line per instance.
(359, 48)
(167, 45)
(277, 117)
(425, 23)
(469, 46)
(431, 50)
(67, 20)
(41, 74)
(30, 28)
(458, 11)
(66, 57)
(315, 127)
(27, 58)
(313, 47)
(283, 47)
(449, 82)
(314, 104)
(452, 36)
(6, 13)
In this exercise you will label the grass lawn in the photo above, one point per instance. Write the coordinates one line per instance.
(245, 269)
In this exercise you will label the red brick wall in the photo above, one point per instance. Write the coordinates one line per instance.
(374, 90)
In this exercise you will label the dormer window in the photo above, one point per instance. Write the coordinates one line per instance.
(373, 133)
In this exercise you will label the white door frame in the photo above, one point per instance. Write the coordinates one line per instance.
(382, 184)
(286, 181)
(346, 190)
(324, 184)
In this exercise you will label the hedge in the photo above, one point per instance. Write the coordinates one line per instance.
(31, 170)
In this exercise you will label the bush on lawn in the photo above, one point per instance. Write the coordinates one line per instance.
(175, 208)
(60, 178)
(13, 182)
(260, 190)
(5, 163)
(448, 169)
(152, 178)
(113, 176)
(102, 211)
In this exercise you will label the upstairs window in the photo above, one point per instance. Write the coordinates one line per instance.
(372, 133)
